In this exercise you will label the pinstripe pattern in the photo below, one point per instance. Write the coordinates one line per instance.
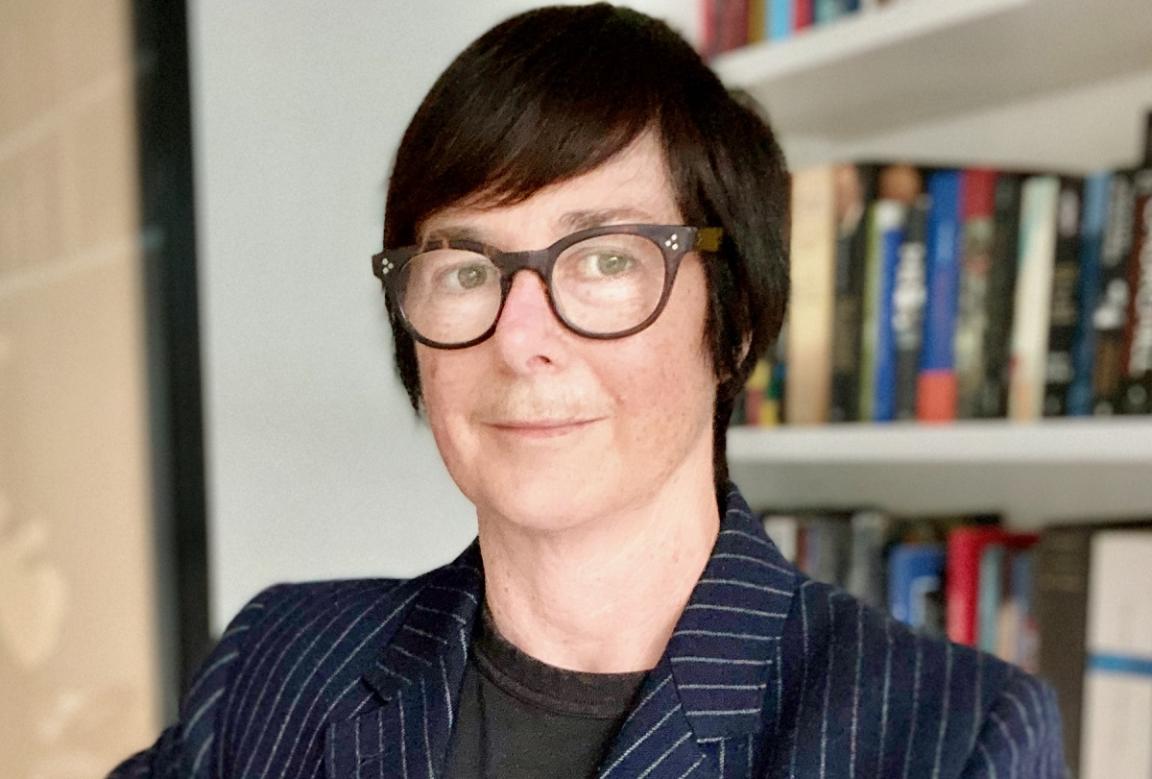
(766, 674)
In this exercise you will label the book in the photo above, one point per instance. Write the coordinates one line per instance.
(757, 20)
(803, 14)
(908, 308)
(780, 20)
(826, 546)
(916, 584)
(1060, 591)
(811, 308)
(867, 575)
(1136, 379)
(990, 596)
(1097, 188)
(855, 189)
(936, 389)
(1001, 297)
(1110, 314)
(965, 549)
(1116, 718)
(979, 207)
(877, 345)
(1037, 255)
(1063, 309)
(784, 531)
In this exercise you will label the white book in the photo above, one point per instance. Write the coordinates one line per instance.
(1116, 740)
(1037, 257)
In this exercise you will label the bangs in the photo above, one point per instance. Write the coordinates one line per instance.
(523, 108)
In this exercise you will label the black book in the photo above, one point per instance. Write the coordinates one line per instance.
(858, 190)
(908, 308)
(1064, 312)
(1110, 316)
(1136, 383)
(1001, 296)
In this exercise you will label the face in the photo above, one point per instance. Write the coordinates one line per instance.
(545, 428)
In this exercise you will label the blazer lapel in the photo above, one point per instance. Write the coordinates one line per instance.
(703, 709)
(405, 730)
(701, 712)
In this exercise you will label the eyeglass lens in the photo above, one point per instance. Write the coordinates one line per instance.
(603, 285)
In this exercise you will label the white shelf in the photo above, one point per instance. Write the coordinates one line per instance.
(918, 60)
(1055, 470)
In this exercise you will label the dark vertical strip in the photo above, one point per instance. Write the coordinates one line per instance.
(168, 241)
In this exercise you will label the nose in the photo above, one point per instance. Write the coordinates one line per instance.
(528, 335)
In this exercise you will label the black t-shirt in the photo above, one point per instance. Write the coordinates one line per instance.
(519, 717)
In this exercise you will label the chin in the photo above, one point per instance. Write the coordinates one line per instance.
(549, 502)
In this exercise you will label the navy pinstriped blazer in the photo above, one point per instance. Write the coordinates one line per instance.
(768, 674)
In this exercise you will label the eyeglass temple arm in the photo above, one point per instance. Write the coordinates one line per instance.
(708, 239)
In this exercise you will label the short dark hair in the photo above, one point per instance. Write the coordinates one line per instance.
(554, 93)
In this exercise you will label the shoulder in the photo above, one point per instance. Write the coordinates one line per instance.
(927, 706)
(293, 649)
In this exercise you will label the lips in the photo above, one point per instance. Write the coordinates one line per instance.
(542, 428)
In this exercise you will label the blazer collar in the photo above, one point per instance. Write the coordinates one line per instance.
(712, 682)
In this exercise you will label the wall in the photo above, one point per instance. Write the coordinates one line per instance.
(77, 656)
(317, 468)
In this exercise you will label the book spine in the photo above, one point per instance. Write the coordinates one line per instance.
(757, 20)
(1136, 389)
(1095, 216)
(780, 20)
(855, 187)
(979, 207)
(1060, 588)
(991, 594)
(908, 309)
(1110, 315)
(963, 581)
(825, 11)
(915, 577)
(813, 268)
(1117, 713)
(1063, 312)
(936, 390)
(1001, 296)
(736, 25)
(803, 14)
(890, 219)
(1033, 294)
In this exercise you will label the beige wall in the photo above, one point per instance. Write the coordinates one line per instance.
(77, 650)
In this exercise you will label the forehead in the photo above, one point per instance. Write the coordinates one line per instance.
(632, 186)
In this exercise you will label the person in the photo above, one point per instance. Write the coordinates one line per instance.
(584, 253)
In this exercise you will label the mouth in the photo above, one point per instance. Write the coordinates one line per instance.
(542, 428)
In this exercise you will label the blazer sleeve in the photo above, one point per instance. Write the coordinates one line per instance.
(185, 749)
(1021, 735)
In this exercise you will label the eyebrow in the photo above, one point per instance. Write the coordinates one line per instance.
(572, 220)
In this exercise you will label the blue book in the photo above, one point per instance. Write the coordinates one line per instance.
(936, 401)
(779, 19)
(890, 218)
(1097, 189)
(915, 585)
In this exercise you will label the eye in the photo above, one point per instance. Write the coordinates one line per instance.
(470, 276)
(606, 263)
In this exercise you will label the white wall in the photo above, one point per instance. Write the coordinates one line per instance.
(316, 466)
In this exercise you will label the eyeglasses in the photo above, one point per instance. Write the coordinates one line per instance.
(603, 282)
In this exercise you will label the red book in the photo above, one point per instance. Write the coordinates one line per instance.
(803, 16)
(962, 590)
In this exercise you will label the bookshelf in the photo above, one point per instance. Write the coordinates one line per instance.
(1051, 84)
(1059, 469)
(1019, 82)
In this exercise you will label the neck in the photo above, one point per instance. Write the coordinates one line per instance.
(602, 596)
